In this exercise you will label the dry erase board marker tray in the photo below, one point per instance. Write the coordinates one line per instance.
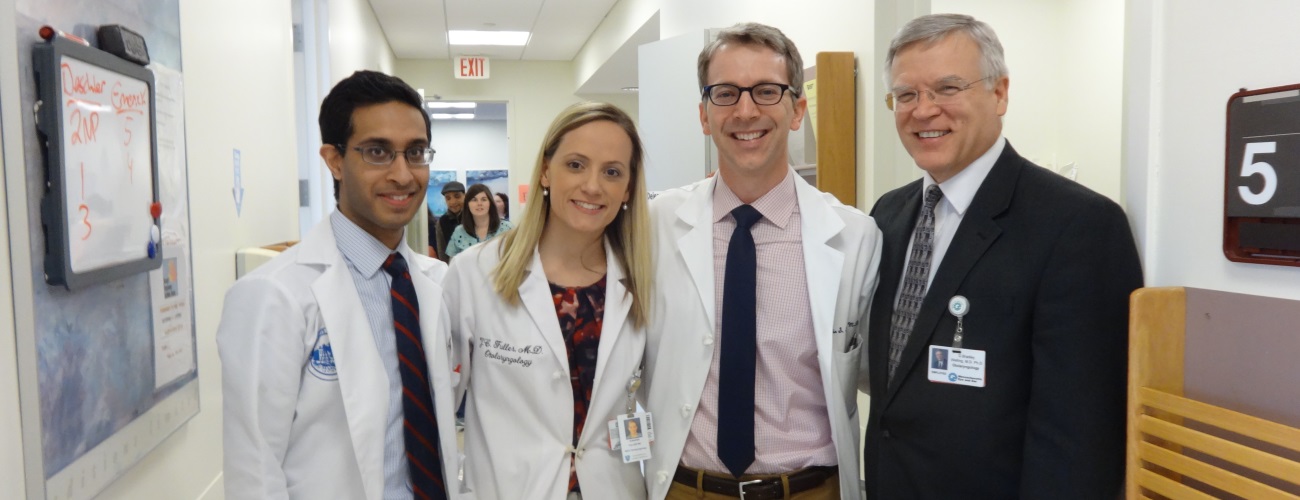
(96, 118)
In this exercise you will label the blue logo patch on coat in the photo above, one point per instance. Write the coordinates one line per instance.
(321, 364)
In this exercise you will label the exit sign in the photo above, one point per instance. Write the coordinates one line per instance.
(470, 67)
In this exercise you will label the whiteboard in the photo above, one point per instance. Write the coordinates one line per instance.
(96, 113)
(106, 136)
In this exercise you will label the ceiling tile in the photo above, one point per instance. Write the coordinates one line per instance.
(415, 29)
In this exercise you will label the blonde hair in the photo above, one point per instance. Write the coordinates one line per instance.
(628, 234)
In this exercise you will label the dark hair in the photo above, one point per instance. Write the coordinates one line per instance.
(467, 218)
(505, 204)
(363, 88)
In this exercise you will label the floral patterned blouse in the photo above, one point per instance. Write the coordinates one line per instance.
(581, 311)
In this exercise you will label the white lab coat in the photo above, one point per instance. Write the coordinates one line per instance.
(519, 412)
(295, 426)
(841, 253)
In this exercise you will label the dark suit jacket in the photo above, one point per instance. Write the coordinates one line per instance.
(1048, 266)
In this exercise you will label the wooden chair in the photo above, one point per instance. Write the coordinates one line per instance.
(1167, 439)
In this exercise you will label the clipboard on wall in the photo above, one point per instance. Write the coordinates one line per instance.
(99, 212)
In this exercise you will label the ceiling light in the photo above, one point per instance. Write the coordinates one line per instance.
(631, 89)
(447, 105)
(452, 116)
(470, 37)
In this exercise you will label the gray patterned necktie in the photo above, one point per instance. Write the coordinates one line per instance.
(914, 280)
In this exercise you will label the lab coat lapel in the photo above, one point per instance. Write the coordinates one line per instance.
(361, 371)
(823, 268)
(618, 302)
(695, 247)
(535, 292)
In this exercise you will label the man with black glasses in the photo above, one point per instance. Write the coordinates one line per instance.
(762, 282)
(1021, 275)
(335, 354)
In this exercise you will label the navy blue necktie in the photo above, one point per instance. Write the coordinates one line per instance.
(739, 347)
(420, 426)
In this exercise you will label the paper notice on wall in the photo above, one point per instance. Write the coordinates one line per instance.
(170, 286)
(810, 91)
(172, 327)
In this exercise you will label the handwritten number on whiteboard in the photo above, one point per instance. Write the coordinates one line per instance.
(85, 219)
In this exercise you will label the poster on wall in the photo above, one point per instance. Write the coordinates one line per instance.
(497, 181)
(438, 179)
(103, 385)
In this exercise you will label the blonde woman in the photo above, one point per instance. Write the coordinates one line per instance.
(549, 320)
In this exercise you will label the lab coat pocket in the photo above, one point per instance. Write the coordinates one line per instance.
(847, 367)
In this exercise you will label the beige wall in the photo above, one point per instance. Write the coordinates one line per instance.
(356, 40)
(11, 454)
(537, 91)
(188, 464)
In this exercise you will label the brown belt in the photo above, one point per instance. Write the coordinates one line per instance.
(758, 489)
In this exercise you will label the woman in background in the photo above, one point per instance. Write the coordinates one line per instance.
(503, 205)
(549, 320)
(479, 221)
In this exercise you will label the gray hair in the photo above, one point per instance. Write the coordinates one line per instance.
(934, 27)
(756, 34)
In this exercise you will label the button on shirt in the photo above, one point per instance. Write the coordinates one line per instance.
(365, 258)
(791, 427)
(958, 192)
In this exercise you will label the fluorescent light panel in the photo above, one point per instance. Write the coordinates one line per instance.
(449, 105)
(452, 116)
(471, 37)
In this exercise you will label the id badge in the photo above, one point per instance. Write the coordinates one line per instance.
(951, 365)
(632, 435)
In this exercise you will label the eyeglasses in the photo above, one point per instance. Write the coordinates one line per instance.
(907, 99)
(419, 156)
(763, 94)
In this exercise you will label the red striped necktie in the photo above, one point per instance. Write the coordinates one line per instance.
(420, 426)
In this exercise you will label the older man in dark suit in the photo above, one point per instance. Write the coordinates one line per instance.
(1023, 273)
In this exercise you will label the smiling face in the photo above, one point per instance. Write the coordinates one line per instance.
(381, 199)
(751, 139)
(588, 177)
(943, 140)
(480, 205)
(455, 201)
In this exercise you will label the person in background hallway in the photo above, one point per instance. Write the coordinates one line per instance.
(503, 205)
(549, 320)
(454, 194)
(316, 402)
(478, 224)
(752, 365)
(1046, 267)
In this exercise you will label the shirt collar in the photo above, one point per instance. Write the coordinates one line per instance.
(361, 250)
(960, 189)
(776, 205)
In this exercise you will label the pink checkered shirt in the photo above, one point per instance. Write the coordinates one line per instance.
(791, 427)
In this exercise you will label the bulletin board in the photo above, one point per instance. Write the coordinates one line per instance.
(99, 212)
(107, 370)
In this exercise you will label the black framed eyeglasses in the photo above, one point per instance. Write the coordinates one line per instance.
(420, 156)
(763, 94)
